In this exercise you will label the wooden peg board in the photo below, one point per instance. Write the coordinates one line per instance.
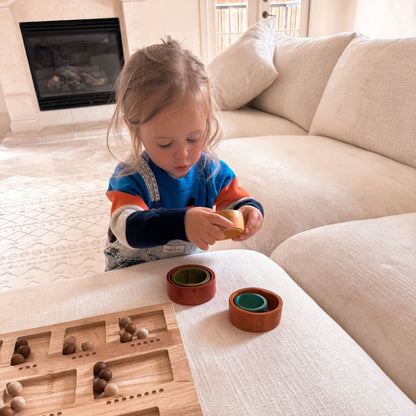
(152, 374)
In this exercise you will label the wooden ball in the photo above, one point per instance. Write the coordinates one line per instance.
(24, 350)
(124, 321)
(20, 342)
(98, 366)
(14, 388)
(68, 349)
(126, 337)
(111, 389)
(70, 339)
(6, 411)
(17, 359)
(142, 333)
(131, 327)
(87, 345)
(105, 374)
(18, 403)
(99, 385)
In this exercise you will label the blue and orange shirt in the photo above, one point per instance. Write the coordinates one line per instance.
(148, 207)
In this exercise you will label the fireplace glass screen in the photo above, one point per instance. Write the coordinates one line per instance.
(74, 63)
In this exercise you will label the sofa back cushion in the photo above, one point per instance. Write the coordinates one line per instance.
(246, 68)
(370, 98)
(304, 66)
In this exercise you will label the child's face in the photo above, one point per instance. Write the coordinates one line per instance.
(175, 138)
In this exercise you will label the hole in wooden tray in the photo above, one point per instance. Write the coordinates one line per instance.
(131, 373)
(131, 397)
(94, 332)
(144, 342)
(39, 347)
(54, 390)
(154, 411)
(153, 321)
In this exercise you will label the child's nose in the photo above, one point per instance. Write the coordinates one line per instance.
(182, 151)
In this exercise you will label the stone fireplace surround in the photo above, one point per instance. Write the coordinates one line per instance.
(27, 123)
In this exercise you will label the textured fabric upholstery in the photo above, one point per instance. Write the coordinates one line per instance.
(304, 66)
(244, 69)
(363, 273)
(249, 122)
(370, 99)
(308, 181)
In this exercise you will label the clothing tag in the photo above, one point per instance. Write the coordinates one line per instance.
(173, 249)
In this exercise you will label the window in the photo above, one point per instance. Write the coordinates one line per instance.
(227, 20)
(287, 16)
(231, 21)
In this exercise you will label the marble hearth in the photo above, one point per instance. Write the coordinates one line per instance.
(27, 123)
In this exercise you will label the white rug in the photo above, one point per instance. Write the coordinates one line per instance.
(52, 229)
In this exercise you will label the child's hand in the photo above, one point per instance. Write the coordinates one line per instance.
(201, 226)
(253, 220)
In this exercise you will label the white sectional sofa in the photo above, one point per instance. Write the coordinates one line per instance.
(322, 131)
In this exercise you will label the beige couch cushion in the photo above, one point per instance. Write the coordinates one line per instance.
(248, 122)
(244, 69)
(370, 99)
(304, 66)
(363, 274)
(308, 181)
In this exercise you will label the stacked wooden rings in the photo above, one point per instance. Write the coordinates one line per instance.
(255, 310)
(236, 217)
(191, 284)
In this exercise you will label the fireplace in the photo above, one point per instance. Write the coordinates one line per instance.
(73, 63)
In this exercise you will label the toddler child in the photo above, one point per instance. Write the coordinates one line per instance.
(164, 195)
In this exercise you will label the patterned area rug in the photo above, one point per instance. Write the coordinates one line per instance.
(52, 229)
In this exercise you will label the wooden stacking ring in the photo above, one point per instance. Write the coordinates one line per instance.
(252, 302)
(191, 284)
(256, 321)
(191, 276)
(236, 217)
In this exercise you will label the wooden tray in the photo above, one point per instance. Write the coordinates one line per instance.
(152, 374)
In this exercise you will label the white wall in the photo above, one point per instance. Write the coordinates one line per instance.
(386, 18)
(4, 116)
(3, 108)
(154, 19)
(327, 17)
(374, 18)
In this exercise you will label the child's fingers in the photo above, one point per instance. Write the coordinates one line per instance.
(243, 236)
(253, 224)
(219, 220)
(216, 233)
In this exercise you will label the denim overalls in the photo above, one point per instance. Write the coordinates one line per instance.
(117, 255)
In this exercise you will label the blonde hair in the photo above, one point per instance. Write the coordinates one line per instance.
(153, 78)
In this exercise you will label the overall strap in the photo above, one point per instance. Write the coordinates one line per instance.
(149, 180)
